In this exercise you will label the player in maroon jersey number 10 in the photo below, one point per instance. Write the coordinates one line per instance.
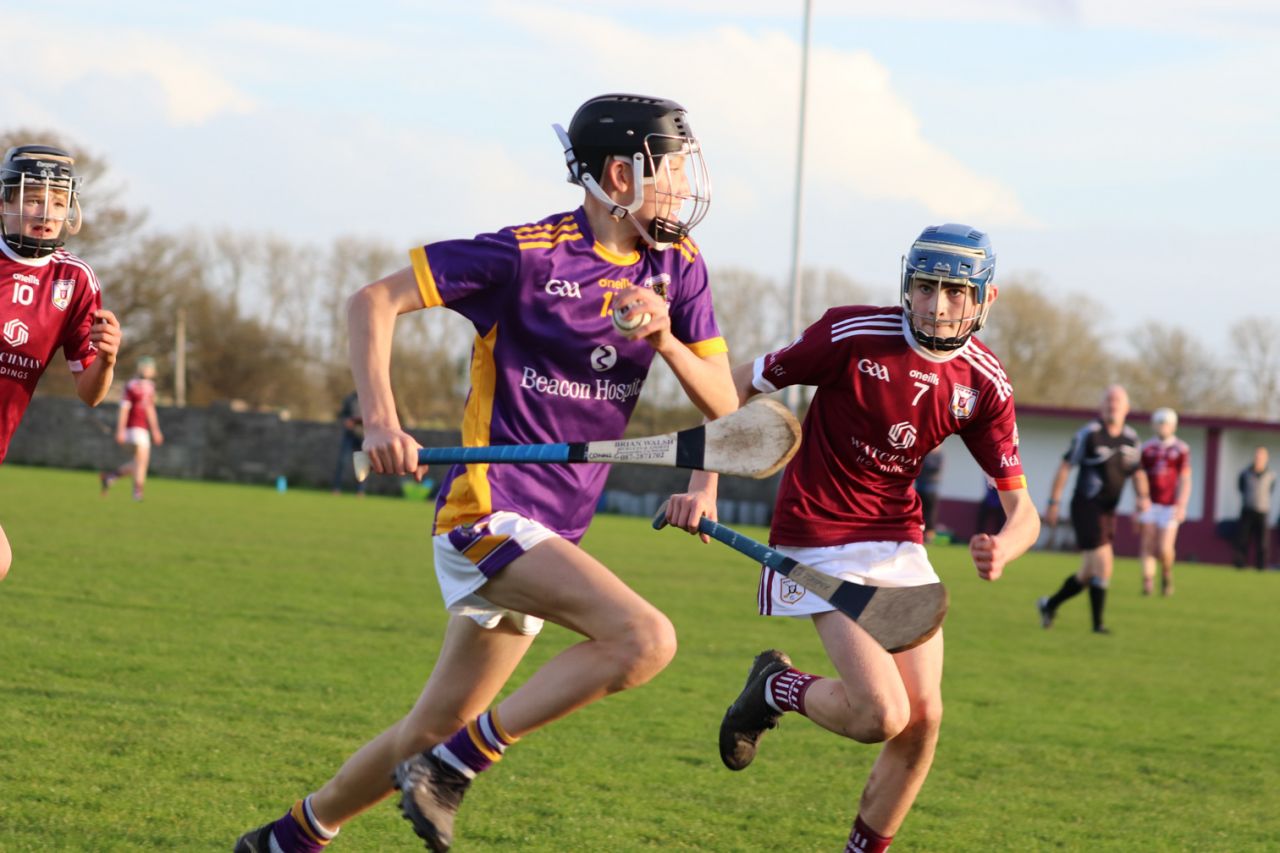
(891, 384)
(49, 298)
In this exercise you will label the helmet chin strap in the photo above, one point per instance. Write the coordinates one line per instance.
(659, 235)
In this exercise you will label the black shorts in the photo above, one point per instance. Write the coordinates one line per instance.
(1095, 525)
(929, 508)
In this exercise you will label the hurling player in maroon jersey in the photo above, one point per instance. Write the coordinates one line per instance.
(1167, 461)
(891, 384)
(49, 298)
(137, 426)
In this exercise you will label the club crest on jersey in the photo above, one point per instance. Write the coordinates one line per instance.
(963, 400)
(658, 284)
(789, 592)
(62, 290)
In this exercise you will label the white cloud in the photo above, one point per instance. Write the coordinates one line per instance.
(193, 91)
(742, 91)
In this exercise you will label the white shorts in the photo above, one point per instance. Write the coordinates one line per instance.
(138, 436)
(869, 563)
(1161, 515)
(466, 557)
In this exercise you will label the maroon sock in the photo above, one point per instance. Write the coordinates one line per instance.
(864, 839)
(786, 689)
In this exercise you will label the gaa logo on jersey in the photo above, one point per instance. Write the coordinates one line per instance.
(902, 435)
(963, 400)
(16, 333)
(874, 368)
(62, 290)
(566, 289)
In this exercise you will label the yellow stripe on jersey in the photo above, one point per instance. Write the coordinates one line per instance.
(567, 237)
(469, 497)
(547, 236)
(426, 280)
(526, 230)
(613, 257)
(688, 249)
(710, 346)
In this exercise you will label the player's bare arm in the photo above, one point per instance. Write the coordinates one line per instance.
(122, 418)
(1055, 494)
(1020, 531)
(1142, 486)
(93, 383)
(371, 320)
(1184, 494)
(153, 424)
(685, 510)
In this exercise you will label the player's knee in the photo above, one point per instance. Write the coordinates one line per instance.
(6, 556)
(878, 719)
(926, 718)
(647, 647)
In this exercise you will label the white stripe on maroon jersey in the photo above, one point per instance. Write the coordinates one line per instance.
(1002, 386)
(869, 319)
(875, 325)
(72, 261)
(992, 362)
(857, 332)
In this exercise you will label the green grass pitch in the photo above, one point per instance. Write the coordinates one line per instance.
(177, 671)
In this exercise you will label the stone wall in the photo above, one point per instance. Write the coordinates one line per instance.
(219, 443)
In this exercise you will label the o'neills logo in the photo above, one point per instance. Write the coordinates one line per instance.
(598, 389)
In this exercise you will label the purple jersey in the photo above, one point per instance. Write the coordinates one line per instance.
(547, 365)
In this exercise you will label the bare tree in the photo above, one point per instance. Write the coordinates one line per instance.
(1054, 355)
(1257, 373)
(1172, 369)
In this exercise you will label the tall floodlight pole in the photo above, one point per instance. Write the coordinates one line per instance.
(793, 392)
(180, 360)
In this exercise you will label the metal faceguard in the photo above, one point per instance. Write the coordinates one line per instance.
(643, 131)
(38, 171)
(948, 255)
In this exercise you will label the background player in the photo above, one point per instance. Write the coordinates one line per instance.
(892, 383)
(51, 297)
(137, 426)
(547, 365)
(1166, 460)
(1107, 452)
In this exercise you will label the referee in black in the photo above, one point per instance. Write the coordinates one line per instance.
(1107, 453)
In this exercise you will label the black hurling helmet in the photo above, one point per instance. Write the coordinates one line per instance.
(643, 131)
(36, 172)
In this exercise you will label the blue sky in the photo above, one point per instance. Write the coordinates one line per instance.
(1128, 149)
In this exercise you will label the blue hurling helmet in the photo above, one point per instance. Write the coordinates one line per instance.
(950, 254)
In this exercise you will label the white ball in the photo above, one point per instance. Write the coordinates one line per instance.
(631, 323)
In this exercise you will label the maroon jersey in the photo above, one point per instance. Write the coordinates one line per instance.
(882, 403)
(140, 394)
(1164, 462)
(45, 303)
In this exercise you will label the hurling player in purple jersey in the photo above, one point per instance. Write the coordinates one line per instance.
(51, 297)
(548, 364)
(892, 383)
